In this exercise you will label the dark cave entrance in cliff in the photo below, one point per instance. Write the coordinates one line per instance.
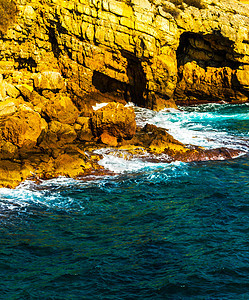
(210, 50)
(113, 90)
(109, 89)
(137, 80)
(206, 51)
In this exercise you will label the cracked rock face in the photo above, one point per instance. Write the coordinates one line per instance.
(59, 58)
(138, 51)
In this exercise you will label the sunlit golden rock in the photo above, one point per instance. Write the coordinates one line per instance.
(62, 109)
(23, 128)
(116, 120)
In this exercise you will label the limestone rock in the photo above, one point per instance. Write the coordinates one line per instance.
(23, 128)
(71, 165)
(57, 135)
(136, 49)
(2, 89)
(116, 120)
(11, 90)
(242, 76)
(59, 58)
(48, 81)
(12, 173)
(7, 150)
(7, 108)
(61, 109)
(85, 132)
(158, 140)
(199, 84)
(108, 139)
(25, 89)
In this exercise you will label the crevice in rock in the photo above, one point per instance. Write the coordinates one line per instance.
(207, 70)
(210, 50)
(114, 90)
(26, 63)
(109, 88)
(137, 79)
(53, 41)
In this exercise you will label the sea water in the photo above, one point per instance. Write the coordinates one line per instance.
(151, 231)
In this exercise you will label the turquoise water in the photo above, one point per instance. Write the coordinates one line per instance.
(153, 231)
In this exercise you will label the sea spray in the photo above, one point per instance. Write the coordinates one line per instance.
(209, 125)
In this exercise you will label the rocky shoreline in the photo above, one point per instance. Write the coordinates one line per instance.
(57, 141)
(58, 59)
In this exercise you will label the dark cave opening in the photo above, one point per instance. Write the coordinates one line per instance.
(137, 80)
(115, 90)
(26, 63)
(206, 70)
(210, 50)
(109, 88)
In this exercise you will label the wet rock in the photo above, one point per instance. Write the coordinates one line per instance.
(71, 166)
(199, 154)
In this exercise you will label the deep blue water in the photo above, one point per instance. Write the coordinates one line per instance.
(155, 231)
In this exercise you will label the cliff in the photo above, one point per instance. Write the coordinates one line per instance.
(138, 50)
(59, 58)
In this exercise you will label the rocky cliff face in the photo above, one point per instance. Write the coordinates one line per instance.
(138, 50)
(58, 58)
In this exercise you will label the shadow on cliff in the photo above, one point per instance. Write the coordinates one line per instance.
(207, 70)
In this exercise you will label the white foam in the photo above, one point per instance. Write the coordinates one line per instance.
(99, 105)
(192, 127)
(120, 161)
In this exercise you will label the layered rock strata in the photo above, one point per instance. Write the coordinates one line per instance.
(147, 52)
(58, 58)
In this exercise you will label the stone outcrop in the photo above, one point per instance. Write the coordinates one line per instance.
(139, 50)
(116, 120)
(58, 58)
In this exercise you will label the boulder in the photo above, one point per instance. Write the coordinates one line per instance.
(108, 139)
(57, 135)
(23, 128)
(61, 108)
(7, 150)
(70, 165)
(158, 140)
(85, 132)
(11, 90)
(12, 173)
(7, 108)
(116, 120)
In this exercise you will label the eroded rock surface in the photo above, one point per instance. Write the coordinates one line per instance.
(138, 51)
(59, 58)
